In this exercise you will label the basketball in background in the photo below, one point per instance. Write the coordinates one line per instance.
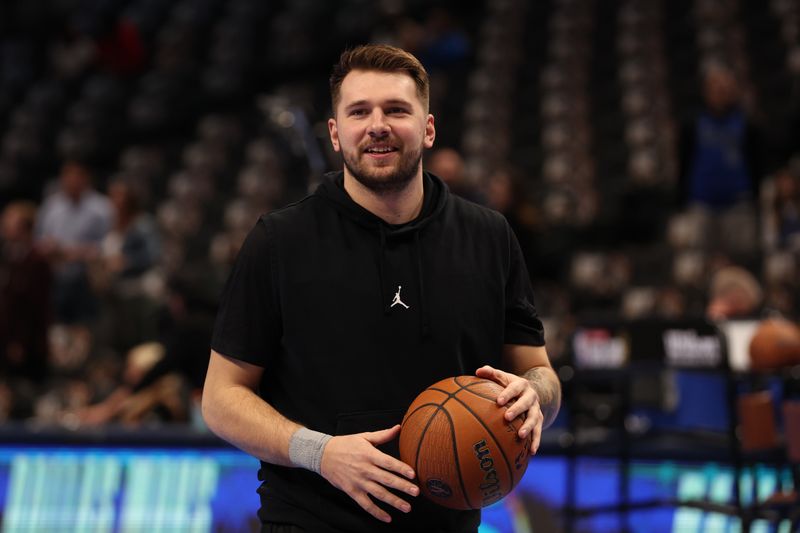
(775, 344)
(465, 454)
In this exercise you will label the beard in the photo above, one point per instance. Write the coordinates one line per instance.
(384, 180)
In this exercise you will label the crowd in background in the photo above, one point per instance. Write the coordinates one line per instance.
(142, 139)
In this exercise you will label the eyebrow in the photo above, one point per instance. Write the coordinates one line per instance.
(391, 101)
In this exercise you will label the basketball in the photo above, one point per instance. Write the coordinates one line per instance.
(775, 344)
(465, 454)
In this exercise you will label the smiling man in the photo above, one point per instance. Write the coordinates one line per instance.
(381, 131)
(342, 307)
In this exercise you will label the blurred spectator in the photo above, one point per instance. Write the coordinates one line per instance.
(122, 404)
(719, 150)
(445, 43)
(720, 167)
(164, 380)
(734, 293)
(120, 48)
(783, 215)
(72, 53)
(505, 193)
(448, 164)
(131, 247)
(671, 303)
(72, 223)
(547, 247)
(127, 254)
(25, 307)
(439, 40)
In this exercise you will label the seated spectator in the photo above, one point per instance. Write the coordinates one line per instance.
(163, 380)
(133, 402)
(444, 42)
(734, 293)
(785, 210)
(72, 52)
(25, 308)
(127, 253)
(131, 248)
(120, 48)
(506, 194)
(448, 164)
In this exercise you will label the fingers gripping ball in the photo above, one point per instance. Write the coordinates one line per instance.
(465, 454)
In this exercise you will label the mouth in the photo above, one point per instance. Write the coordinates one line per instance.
(380, 150)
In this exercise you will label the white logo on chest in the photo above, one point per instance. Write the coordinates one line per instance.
(397, 300)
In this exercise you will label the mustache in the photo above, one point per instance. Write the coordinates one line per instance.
(383, 141)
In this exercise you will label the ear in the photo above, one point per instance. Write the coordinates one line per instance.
(430, 132)
(333, 131)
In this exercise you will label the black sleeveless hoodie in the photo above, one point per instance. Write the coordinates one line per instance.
(352, 317)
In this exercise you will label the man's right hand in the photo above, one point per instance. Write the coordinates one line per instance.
(354, 465)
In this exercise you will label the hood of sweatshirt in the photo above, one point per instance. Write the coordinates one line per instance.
(435, 199)
(435, 190)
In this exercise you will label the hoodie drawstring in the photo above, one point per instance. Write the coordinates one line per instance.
(387, 308)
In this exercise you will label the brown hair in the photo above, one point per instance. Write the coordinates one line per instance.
(383, 58)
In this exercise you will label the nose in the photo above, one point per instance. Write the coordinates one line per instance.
(377, 125)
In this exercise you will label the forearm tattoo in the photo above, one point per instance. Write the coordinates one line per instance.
(545, 382)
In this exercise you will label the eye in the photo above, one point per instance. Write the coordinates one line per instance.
(396, 111)
(357, 112)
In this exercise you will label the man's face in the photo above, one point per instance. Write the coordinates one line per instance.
(381, 129)
(74, 180)
(720, 90)
(11, 225)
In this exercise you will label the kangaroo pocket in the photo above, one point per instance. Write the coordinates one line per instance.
(359, 422)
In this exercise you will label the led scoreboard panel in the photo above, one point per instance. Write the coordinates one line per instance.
(99, 489)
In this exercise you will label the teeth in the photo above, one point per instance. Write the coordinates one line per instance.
(380, 150)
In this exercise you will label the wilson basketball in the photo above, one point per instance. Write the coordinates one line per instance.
(465, 454)
(775, 344)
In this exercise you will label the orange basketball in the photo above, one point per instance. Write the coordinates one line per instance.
(465, 454)
(775, 344)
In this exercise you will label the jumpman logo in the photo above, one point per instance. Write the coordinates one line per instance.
(397, 299)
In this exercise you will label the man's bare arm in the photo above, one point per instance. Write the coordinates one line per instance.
(234, 411)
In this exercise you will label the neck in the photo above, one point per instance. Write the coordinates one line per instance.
(395, 207)
(75, 196)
